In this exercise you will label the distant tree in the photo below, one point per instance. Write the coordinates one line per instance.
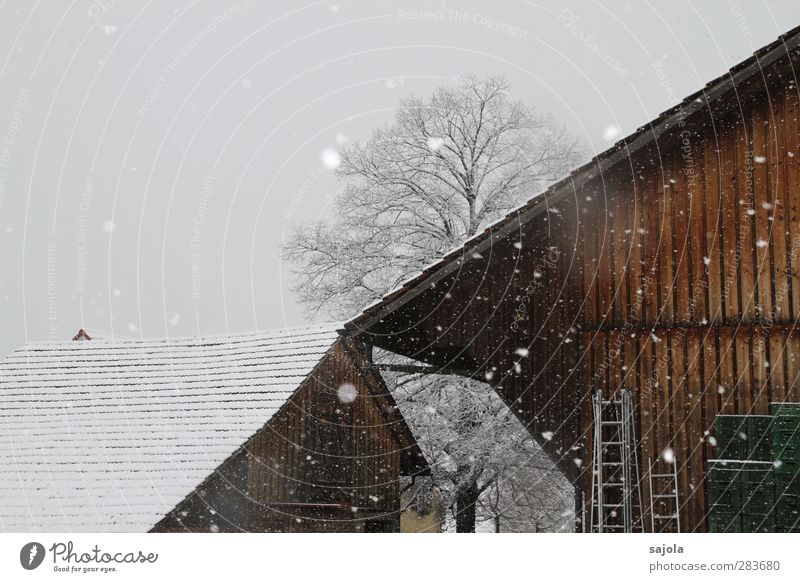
(483, 461)
(444, 170)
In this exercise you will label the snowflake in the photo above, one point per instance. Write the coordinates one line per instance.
(435, 143)
(347, 393)
(330, 158)
(611, 132)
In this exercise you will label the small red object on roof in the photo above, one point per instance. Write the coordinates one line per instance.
(81, 336)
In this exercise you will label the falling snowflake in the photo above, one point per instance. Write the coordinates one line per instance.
(707, 260)
(435, 143)
(518, 245)
(766, 206)
(247, 82)
(761, 243)
(668, 455)
(108, 226)
(393, 84)
(759, 159)
(330, 158)
(133, 327)
(341, 139)
(712, 441)
(547, 435)
(346, 393)
(578, 462)
(173, 321)
(522, 352)
(109, 29)
(214, 528)
(611, 132)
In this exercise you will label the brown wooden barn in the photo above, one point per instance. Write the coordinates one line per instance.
(668, 265)
(275, 431)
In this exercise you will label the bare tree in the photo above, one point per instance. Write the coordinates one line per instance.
(484, 462)
(445, 169)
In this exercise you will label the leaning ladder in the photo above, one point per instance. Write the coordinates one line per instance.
(615, 466)
(662, 497)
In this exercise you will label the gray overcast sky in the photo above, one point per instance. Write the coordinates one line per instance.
(154, 154)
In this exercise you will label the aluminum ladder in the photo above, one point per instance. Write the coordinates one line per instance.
(664, 496)
(616, 491)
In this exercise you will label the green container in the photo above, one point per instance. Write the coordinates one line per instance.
(724, 522)
(730, 432)
(787, 452)
(785, 409)
(743, 488)
(724, 490)
(757, 485)
(786, 423)
(759, 440)
(758, 523)
(787, 485)
(754, 482)
(787, 518)
(743, 437)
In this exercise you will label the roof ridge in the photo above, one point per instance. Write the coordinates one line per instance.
(293, 331)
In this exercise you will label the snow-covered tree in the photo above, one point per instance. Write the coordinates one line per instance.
(442, 171)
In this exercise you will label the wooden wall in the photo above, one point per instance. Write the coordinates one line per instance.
(694, 292)
(319, 465)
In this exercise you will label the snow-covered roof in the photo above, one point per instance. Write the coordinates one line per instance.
(111, 436)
